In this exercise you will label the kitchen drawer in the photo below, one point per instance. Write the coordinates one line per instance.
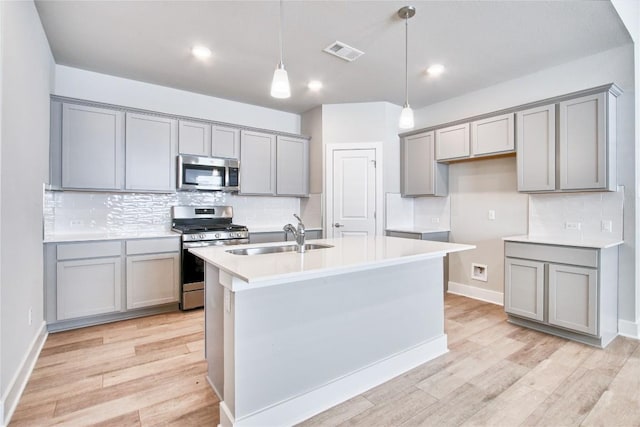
(88, 250)
(586, 257)
(153, 246)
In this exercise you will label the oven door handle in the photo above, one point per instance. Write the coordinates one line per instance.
(188, 245)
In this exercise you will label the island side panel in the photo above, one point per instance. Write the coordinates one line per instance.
(214, 331)
(293, 338)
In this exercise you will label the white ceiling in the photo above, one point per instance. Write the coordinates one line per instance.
(480, 42)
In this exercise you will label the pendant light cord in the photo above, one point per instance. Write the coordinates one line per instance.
(280, 36)
(406, 59)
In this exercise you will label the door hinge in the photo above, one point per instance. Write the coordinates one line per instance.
(374, 163)
(374, 214)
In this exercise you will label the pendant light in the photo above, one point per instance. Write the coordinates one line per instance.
(280, 85)
(406, 116)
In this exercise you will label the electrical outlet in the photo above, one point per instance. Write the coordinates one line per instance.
(435, 220)
(572, 225)
(491, 215)
(607, 226)
(76, 222)
(30, 316)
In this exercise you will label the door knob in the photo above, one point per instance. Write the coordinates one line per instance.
(338, 225)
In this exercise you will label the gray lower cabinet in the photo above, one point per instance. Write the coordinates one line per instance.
(563, 290)
(308, 235)
(101, 281)
(153, 272)
(420, 174)
(87, 150)
(88, 287)
(150, 154)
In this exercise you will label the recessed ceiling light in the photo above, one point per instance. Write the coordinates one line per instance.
(314, 85)
(201, 52)
(435, 70)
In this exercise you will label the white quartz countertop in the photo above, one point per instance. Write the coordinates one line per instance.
(563, 241)
(349, 254)
(276, 228)
(421, 230)
(84, 237)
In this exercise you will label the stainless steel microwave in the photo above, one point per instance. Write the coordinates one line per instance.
(208, 173)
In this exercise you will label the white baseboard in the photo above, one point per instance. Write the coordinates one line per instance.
(629, 329)
(19, 382)
(301, 407)
(476, 293)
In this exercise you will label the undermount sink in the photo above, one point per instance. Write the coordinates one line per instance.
(276, 249)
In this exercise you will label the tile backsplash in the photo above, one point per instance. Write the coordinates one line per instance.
(425, 213)
(577, 216)
(86, 212)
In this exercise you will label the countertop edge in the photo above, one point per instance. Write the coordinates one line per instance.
(543, 240)
(96, 237)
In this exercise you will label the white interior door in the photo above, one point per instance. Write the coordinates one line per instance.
(354, 193)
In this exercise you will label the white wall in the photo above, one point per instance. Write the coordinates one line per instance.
(616, 65)
(82, 84)
(475, 188)
(26, 80)
(367, 122)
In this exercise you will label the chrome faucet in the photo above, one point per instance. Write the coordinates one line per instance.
(298, 233)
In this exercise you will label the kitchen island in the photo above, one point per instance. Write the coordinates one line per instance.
(289, 335)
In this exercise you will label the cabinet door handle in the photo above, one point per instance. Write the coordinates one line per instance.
(338, 225)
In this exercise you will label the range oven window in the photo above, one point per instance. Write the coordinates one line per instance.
(203, 175)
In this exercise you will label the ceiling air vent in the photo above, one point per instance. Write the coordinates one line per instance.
(343, 51)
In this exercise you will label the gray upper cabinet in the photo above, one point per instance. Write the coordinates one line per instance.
(257, 163)
(569, 146)
(587, 143)
(536, 156)
(92, 141)
(421, 175)
(452, 142)
(151, 149)
(194, 138)
(292, 166)
(225, 142)
(493, 135)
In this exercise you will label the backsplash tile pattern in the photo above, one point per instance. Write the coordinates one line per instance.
(424, 213)
(87, 212)
(549, 214)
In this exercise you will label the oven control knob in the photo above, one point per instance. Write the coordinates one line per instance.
(217, 235)
(202, 236)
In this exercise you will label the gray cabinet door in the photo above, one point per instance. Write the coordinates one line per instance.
(92, 147)
(524, 288)
(417, 164)
(536, 155)
(151, 150)
(88, 287)
(225, 142)
(153, 280)
(573, 298)
(493, 135)
(292, 166)
(194, 138)
(583, 143)
(270, 236)
(257, 163)
(452, 142)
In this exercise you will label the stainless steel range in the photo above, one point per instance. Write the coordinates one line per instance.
(202, 226)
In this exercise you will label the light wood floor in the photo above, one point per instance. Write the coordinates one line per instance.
(151, 372)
